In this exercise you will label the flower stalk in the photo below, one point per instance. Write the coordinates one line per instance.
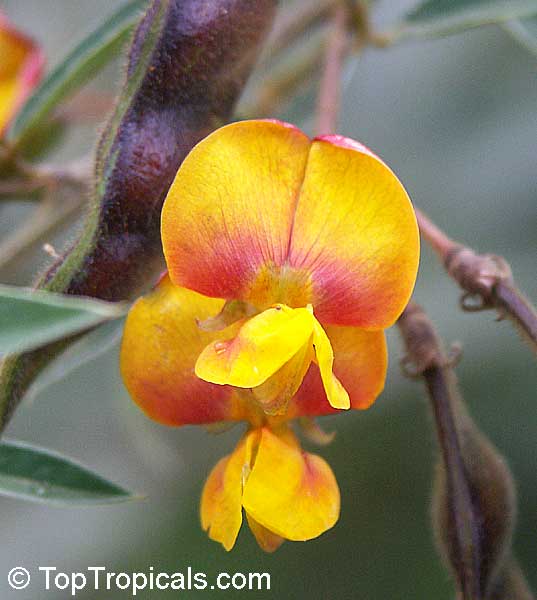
(337, 47)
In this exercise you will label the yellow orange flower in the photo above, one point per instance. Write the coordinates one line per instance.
(287, 259)
(21, 66)
(259, 213)
(286, 493)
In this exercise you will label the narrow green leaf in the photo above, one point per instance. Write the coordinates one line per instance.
(525, 32)
(82, 63)
(33, 318)
(435, 18)
(90, 346)
(32, 473)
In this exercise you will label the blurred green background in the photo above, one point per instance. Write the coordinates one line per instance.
(456, 119)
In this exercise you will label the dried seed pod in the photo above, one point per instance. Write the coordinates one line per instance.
(188, 63)
(474, 500)
(493, 501)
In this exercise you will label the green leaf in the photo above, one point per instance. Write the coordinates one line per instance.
(90, 345)
(525, 32)
(435, 18)
(31, 473)
(32, 318)
(82, 63)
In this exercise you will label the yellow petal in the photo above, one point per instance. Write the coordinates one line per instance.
(360, 363)
(290, 492)
(259, 213)
(335, 392)
(229, 211)
(355, 232)
(276, 392)
(263, 345)
(161, 343)
(221, 499)
(268, 541)
(21, 65)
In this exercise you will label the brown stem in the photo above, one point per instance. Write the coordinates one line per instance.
(47, 218)
(26, 178)
(76, 174)
(358, 11)
(330, 88)
(280, 82)
(62, 192)
(486, 277)
(519, 308)
(295, 22)
(426, 354)
(434, 236)
(17, 187)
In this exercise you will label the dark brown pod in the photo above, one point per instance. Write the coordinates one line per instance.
(188, 63)
(493, 501)
(474, 499)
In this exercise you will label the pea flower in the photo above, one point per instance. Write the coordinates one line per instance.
(21, 66)
(287, 258)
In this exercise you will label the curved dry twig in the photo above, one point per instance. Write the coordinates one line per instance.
(485, 278)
